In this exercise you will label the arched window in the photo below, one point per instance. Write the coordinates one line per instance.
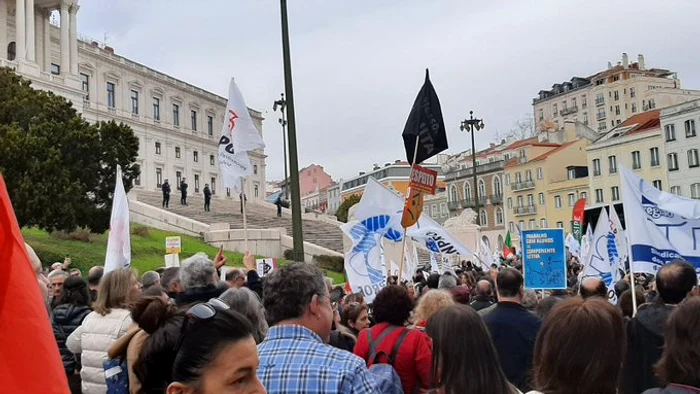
(486, 242)
(500, 242)
(499, 216)
(483, 218)
(467, 191)
(11, 51)
(453, 193)
(497, 187)
(482, 189)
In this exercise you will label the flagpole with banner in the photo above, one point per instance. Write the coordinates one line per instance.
(424, 136)
(238, 136)
(119, 242)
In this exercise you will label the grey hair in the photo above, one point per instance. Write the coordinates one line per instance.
(150, 278)
(447, 282)
(289, 290)
(56, 273)
(530, 299)
(247, 303)
(197, 271)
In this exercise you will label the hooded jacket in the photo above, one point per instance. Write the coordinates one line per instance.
(65, 319)
(645, 342)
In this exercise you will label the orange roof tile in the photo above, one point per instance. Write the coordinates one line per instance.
(642, 122)
(555, 150)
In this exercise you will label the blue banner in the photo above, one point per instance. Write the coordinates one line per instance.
(544, 259)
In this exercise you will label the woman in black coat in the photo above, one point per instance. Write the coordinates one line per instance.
(72, 307)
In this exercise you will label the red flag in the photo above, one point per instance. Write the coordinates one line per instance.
(30, 362)
(577, 217)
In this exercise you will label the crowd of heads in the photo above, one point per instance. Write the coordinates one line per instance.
(202, 344)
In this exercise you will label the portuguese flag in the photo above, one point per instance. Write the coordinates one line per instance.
(507, 246)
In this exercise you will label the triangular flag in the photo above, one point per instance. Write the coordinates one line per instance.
(119, 241)
(238, 137)
(26, 337)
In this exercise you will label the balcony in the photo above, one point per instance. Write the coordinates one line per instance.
(527, 185)
(452, 205)
(496, 199)
(480, 169)
(468, 203)
(600, 101)
(600, 116)
(569, 110)
(527, 210)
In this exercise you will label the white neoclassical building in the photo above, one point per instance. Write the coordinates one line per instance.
(177, 124)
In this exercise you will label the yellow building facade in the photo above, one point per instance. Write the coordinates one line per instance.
(636, 144)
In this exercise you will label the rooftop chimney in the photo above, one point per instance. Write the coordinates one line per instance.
(640, 61)
(387, 164)
(397, 161)
(625, 60)
(609, 65)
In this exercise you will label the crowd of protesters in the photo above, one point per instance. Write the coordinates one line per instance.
(198, 329)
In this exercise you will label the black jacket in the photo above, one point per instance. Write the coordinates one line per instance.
(165, 188)
(254, 283)
(207, 192)
(645, 341)
(199, 294)
(65, 319)
(481, 302)
(183, 187)
(514, 330)
(342, 341)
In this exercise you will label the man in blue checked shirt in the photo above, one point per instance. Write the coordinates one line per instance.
(294, 357)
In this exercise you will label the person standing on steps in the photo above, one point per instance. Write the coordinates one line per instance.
(183, 192)
(243, 197)
(278, 202)
(207, 198)
(166, 193)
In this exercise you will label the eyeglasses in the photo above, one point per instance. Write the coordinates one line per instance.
(202, 311)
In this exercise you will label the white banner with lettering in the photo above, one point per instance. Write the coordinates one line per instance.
(660, 227)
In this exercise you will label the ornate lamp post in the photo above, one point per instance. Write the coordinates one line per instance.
(471, 125)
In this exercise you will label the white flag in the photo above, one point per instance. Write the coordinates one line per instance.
(599, 263)
(485, 255)
(573, 245)
(620, 238)
(661, 227)
(119, 242)
(586, 241)
(434, 266)
(238, 137)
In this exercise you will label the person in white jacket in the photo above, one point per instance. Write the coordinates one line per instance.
(102, 327)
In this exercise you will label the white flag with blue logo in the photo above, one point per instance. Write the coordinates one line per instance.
(600, 263)
(661, 227)
(586, 241)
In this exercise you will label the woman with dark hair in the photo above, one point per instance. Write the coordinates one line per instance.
(679, 366)
(409, 351)
(579, 348)
(451, 373)
(209, 351)
(355, 317)
(73, 306)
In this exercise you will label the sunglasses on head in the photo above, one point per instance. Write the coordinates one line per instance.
(202, 311)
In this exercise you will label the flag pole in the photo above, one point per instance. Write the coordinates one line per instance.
(625, 190)
(406, 197)
(245, 220)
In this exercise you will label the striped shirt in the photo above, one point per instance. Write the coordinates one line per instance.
(293, 359)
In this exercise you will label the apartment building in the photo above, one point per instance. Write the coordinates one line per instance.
(679, 127)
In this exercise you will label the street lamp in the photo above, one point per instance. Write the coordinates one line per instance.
(295, 203)
(282, 105)
(471, 125)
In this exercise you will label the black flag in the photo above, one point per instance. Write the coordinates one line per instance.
(425, 122)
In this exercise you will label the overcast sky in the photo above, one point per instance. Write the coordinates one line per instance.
(358, 65)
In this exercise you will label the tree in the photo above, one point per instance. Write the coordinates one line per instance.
(522, 129)
(59, 169)
(342, 212)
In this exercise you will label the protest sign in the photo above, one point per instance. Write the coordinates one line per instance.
(544, 259)
(423, 179)
(266, 266)
(173, 245)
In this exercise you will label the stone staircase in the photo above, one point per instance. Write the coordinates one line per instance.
(320, 233)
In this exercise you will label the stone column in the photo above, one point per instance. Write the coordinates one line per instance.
(20, 29)
(74, 39)
(46, 19)
(3, 29)
(65, 39)
(31, 42)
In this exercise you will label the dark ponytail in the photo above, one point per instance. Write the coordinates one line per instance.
(162, 321)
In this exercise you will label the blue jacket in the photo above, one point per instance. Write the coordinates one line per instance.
(514, 331)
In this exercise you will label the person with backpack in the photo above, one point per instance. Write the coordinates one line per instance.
(389, 343)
